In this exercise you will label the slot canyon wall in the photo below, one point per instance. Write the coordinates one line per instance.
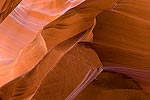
(74, 50)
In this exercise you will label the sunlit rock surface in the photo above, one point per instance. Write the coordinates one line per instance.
(75, 50)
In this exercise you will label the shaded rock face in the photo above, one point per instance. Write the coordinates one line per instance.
(74, 50)
(6, 6)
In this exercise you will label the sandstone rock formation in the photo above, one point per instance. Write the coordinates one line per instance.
(75, 50)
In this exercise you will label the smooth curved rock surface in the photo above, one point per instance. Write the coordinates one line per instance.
(74, 50)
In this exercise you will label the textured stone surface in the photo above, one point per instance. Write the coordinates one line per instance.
(75, 49)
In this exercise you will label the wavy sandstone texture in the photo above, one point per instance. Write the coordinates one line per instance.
(75, 50)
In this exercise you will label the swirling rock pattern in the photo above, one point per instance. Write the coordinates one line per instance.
(74, 50)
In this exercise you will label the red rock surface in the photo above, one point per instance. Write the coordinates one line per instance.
(75, 50)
